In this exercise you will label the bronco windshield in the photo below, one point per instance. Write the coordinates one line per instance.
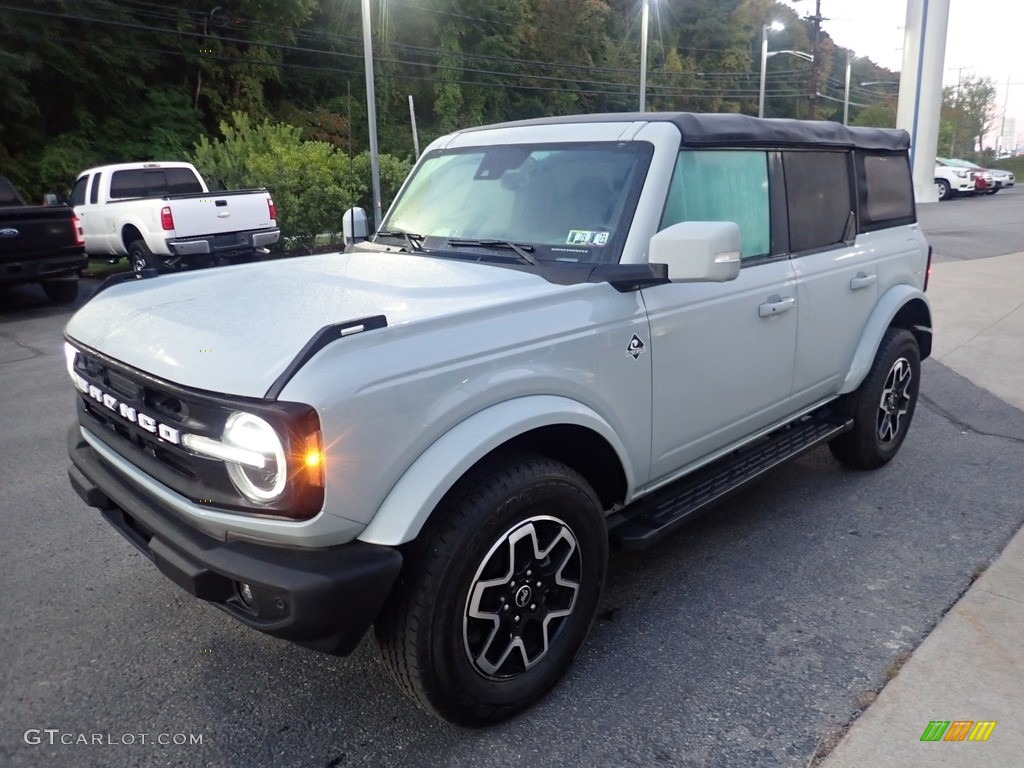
(566, 202)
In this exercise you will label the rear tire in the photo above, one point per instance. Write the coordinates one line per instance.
(498, 592)
(61, 291)
(883, 406)
(142, 258)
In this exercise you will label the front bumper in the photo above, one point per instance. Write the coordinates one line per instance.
(323, 599)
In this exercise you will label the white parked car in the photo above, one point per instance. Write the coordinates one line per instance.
(569, 332)
(952, 180)
(162, 216)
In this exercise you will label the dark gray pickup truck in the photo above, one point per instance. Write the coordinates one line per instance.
(39, 243)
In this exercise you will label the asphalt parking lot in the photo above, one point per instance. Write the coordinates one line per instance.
(745, 640)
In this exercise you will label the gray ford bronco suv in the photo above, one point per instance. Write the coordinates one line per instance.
(568, 333)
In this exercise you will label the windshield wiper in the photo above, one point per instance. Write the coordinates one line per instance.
(522, 250)
(413, 240)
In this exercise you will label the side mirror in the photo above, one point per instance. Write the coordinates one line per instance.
(52, 199)
(353, 226)
(698, 251)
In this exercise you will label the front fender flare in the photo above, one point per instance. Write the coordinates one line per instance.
(888, 306)
(412, 499)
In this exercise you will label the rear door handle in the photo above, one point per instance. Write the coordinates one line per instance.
(775, 306)
(862, 281)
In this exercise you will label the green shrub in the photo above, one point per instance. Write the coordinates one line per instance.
(311, 182)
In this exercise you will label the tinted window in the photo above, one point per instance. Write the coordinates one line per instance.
(181, 181)
(156, 183)
(723, 186)
(887, 197)
(127, 184)
(818, 191)
(78, 192)
(94, 193)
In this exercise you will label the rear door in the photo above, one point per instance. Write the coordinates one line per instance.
(836, 272)
(83, 200)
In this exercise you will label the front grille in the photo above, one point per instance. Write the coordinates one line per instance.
(132, 393)
(142, 419)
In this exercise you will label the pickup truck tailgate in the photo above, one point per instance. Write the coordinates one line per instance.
(219, 213)
(31, 231)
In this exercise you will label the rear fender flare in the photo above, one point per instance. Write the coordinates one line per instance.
(888, 306)
(414, 497)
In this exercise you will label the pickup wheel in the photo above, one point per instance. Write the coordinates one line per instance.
(61, 291)
(141, 257)
(883, 406)
(498, 591)
(943, 188)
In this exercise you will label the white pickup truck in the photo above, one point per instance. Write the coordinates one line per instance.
(162, 216)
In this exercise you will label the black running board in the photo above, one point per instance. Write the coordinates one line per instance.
(642, 524)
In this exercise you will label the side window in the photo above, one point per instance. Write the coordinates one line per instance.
(182, 181)
(77, 196)
(124, 184)
(723, 185)
(94, 191)
(886, 191)
(818, 191)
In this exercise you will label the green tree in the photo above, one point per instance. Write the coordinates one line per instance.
(967, 112)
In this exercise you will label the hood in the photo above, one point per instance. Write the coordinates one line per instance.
(233, 330)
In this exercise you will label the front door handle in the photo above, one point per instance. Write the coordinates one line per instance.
(862, 281)
(775, 306)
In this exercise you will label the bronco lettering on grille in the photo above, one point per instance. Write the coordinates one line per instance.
(127, 412)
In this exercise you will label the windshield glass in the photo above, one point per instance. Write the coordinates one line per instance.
(570, 202)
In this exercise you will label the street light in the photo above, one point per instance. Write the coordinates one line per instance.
(775, 26)
(846, 96)
(643, 55)
(371, 114)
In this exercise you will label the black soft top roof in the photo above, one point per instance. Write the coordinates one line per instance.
(731, 130)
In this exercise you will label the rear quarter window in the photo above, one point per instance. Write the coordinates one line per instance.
(886, 191)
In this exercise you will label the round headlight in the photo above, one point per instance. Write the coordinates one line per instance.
(251, 433)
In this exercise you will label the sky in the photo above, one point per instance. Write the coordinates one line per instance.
(983, 40)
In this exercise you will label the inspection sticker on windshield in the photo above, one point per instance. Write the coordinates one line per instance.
(586, 237)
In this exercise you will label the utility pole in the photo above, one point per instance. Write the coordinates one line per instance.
(812, 95)
(1002, 125)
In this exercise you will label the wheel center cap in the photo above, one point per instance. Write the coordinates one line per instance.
(523, 595)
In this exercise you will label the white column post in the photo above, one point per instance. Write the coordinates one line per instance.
(920, 101)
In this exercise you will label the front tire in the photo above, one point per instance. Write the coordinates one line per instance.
(498, 591)
(883, 406)
(942, 187)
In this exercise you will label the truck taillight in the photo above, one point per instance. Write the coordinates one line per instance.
(273, 209)
(166, 220)
(76, 225)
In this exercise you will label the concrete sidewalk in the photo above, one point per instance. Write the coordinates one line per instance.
(971, 667)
